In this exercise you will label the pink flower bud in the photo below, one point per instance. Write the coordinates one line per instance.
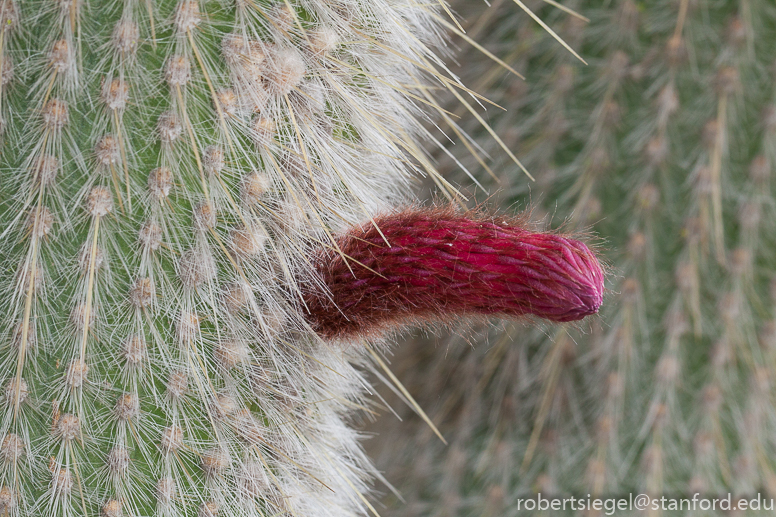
(441, 264)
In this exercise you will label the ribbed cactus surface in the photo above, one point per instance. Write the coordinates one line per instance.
(664, 146)
(168, 171)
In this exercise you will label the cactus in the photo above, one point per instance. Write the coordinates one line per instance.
(663, 145)
(177, 179)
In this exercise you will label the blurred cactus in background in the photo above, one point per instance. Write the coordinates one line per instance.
(171, 172)
(663, 145)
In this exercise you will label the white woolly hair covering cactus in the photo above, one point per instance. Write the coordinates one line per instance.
(166, 168)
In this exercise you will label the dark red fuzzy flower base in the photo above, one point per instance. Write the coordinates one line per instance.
(442, 264)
